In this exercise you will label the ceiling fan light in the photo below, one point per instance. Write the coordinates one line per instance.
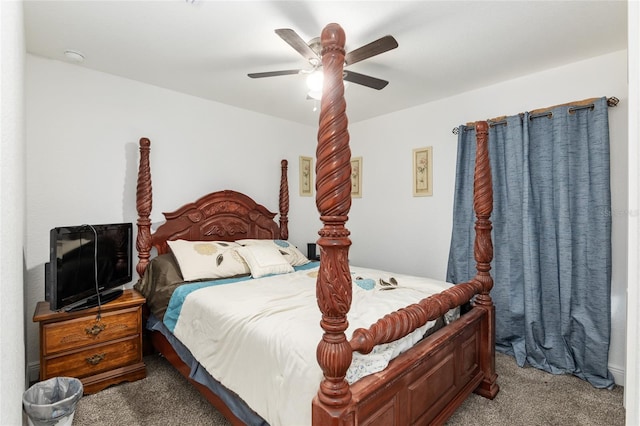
(314, 81)
(315, 94)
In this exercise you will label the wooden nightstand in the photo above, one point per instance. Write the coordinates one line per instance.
(99, 353)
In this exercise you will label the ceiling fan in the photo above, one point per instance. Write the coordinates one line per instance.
(312, 53)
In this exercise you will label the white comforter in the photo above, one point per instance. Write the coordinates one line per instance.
(259, 337)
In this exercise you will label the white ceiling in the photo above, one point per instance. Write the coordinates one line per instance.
(206, 48)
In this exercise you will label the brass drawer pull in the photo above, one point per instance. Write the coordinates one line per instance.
(95, 360)
(95, 330)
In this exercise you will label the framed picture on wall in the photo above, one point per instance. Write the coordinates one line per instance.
(423, 172)
(356, 177)
(306, 176)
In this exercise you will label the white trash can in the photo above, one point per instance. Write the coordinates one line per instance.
(52, 402)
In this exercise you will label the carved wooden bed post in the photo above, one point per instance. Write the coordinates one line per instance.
(284, 201)
(333, 199)
(483, 253)
(143, 205)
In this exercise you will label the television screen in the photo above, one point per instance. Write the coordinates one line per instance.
(87, 261)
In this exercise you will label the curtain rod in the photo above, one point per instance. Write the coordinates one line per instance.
(544, 112)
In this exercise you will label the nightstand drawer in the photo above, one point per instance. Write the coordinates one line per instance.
(80, 332)
(95, 359)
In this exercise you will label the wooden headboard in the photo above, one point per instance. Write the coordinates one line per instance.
(218, 216)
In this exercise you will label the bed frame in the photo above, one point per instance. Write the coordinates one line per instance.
(425, 384)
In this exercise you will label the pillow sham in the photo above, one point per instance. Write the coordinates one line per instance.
(264, 260)
(208, 259)
(288, 250)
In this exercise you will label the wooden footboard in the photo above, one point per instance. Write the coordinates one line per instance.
(424, 385)
(427, 383)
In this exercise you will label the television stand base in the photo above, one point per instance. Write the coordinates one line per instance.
(92, 302)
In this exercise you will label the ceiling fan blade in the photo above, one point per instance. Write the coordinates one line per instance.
(374, 48)
(295, 41)
(365, 80)
(272, 73)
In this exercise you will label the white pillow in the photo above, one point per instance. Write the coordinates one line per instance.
(264, 260)
(208, 259)
(288, 250)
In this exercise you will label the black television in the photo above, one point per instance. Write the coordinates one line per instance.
(88, 265)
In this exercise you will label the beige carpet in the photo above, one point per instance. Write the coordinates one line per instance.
(527, 397)
(531, 397)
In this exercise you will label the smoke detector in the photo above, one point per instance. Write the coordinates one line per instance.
(74, 56)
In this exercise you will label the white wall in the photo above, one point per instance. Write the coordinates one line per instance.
(83, 129)
(418, 229)
(12, 209)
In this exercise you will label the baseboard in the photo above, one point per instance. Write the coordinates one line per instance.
(33, 372)
(618, 374)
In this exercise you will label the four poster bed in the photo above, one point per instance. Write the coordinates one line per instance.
(422, 383)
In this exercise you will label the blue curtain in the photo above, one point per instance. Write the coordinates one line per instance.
(552, 238)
